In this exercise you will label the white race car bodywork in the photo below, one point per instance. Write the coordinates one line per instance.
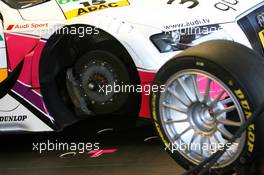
(135, 23)
(132, 22)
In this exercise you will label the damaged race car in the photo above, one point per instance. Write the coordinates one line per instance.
(194, 66)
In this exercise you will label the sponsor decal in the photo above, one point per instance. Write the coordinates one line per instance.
(89, 3)
(67, 1)
(248, 113)
(93, 7)
(1, 38)
(260, 19)
(10, 27)
(223, 5)
(194, 3)
(3, 74)
(27, 26)
(261, 37)
(13, 118)
(187, 24)
(226, 5)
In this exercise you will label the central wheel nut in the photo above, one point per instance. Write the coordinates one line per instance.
(207, 116)
(91, 86)
(202, 119)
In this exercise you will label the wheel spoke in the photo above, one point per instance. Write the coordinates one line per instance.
(185, 89)
(193, 138)
(217, 99)
(229, 123)
(226, 110)
(209, 144)
(217, 141)
(226, 101)
(196, 88)
(229, 154)
(207, 91)
(216, 138)
(173, 107)
(229, 109)
(168, 122)
(182, 133)
(176, 95)
(225, 132)
(201, 145)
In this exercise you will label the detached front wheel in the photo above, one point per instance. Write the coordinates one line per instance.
(209, 92)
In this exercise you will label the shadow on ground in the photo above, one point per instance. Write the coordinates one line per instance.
(129, 151)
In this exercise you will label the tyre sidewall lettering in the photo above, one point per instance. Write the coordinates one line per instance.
(155, 119)
(248, 113)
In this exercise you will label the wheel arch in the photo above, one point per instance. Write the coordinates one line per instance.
(60, 52)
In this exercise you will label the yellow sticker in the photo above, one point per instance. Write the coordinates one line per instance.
(3, 74)
(261, 36)
(82, 11)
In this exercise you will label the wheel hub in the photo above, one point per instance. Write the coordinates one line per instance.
(97, 76)
(93, 81)
(202, 119)
(92, 86)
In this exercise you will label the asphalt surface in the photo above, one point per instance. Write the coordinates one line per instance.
(128, 151)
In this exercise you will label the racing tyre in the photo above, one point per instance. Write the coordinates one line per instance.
(206, 93)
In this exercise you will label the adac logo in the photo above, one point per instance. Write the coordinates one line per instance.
(260, 19)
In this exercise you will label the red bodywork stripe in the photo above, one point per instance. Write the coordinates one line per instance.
(146, 79)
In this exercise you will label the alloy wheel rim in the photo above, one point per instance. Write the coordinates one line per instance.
(195, 116)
